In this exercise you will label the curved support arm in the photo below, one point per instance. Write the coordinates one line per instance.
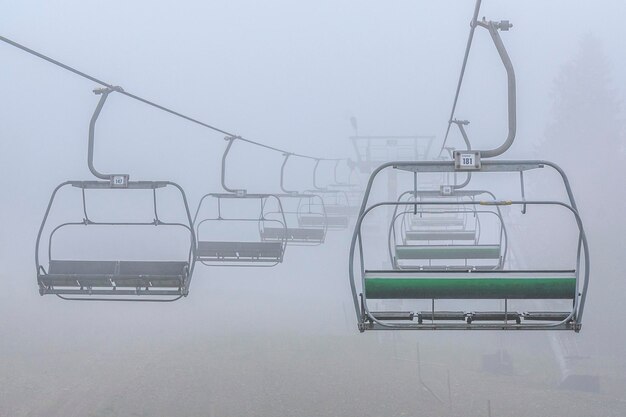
(104, 93)
(493, 27)
(317, 164)
(461, 124)
(282, 176)
(231, 140)
(337, 182)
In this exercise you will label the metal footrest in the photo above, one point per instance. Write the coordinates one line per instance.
(494, 316)
(546, 315)
(393, 315)
(441, 315)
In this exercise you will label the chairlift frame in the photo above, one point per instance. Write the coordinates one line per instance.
(413, 210)
(241, 253)
(368, 320)
(337, 214)
(153, 281)
(302, 235)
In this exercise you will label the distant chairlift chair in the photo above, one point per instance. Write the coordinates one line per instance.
(307, 205)
(336, 207)
(444, 236)
(270, 247)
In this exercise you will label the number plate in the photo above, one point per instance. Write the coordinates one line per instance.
(446, 190)
(119, 181)
(467, 160)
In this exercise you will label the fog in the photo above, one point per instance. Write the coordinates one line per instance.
(283, 340)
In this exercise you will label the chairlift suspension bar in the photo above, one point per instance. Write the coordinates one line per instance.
(104, 93)
(468, 46)
(317, 164)
(493, 28)
(230, 140)
(282, 175)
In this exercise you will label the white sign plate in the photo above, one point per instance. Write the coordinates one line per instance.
(467, 160)
(119, 181)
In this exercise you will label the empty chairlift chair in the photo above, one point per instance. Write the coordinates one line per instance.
(295, 206)
(264, 247)
(466, 286)
(240, 251)
(441, 236)
(346, 199)
(336, 207)
(112, 279)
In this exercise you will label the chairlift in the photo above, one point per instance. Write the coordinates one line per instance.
(465, 285)
(113, 279)
(266, 249)
(307, 205)
(445, 236)
(336, 206)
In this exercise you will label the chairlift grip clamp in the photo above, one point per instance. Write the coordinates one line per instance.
(107, 90)
(502, 25)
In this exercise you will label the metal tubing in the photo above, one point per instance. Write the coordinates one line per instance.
(189, 227)
(511, 88)
(488, 166)
(317, 164)
(231, 140)
(461, 124)
(104, 93)
(282, 176)
(468, 46)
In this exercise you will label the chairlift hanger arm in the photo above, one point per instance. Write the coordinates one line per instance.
(461, 125)
(230, 140)
(493, 28)
(282, 176)
(315, 186)
(104, 94)
(146, 101)
(468, 46)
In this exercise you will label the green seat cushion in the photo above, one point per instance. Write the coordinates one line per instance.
(470, 285)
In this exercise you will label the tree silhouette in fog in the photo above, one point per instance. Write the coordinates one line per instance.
(585, 135)
(587, 111)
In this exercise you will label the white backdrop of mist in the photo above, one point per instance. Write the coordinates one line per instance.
(289, 74)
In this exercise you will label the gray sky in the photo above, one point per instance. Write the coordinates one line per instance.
(289, 74)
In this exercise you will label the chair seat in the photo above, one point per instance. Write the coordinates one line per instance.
(115, 274)
(413, 235)
(447, 252)
(292, 234)
(401, 284)
(240, 251)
